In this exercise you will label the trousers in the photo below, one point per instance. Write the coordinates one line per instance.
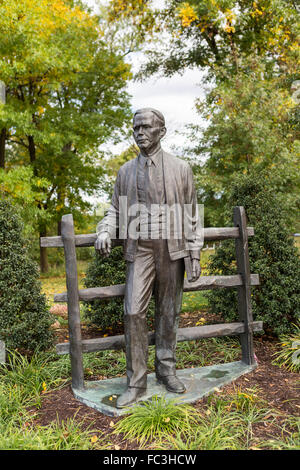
(152, 273)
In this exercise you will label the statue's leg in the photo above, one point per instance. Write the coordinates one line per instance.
(168, 300)
(139, 287)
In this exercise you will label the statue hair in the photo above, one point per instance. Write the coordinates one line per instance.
(159, 116)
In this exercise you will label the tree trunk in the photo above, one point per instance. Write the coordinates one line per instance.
(32, 153)
(59, 228)
(31, 147)
(2, 147)
(60, 199)
(43, 253)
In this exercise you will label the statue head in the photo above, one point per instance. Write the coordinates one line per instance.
(148, 129)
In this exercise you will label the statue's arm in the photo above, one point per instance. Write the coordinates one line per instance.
(195, 230)
(195, 239)
(108, 227)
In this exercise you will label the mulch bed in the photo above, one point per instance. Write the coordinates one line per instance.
(277, 386)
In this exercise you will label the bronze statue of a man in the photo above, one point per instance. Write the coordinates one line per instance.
(155, 245)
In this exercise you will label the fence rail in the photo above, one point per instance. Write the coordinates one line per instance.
(183, 334)
(89, 239)
(203, 283)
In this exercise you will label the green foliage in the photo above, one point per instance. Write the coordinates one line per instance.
(224, 423)
(23, 383)
(24, 380)
(26, 192)
(108, 271)
(64, 435)
(155, 418)
(23, 188)
(33, 376)
(272, 255)
(113, 164)
(24, 315)
(103, 271)
(207, 351)
(289, 354)
(249, 129)
(65, 96)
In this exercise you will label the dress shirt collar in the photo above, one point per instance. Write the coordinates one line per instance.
(155, 157)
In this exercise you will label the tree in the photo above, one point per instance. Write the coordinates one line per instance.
(251, 128)
(26, 193)
(212, 33)
(112, 165)
(272, 254)
(25, 319)
(66, 95)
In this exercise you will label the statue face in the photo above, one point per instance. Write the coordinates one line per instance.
(147, 131)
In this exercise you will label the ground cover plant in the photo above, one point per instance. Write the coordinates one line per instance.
(289, 354)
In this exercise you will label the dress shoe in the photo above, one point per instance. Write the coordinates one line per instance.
(172, 383)
(129, 396)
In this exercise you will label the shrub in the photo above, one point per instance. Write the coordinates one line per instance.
(25, 319)
(102, 271)
(272, 255)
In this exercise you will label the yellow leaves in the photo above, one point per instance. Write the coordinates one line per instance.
(44, 387)
(88, 371)
(59, 207)
(94, 439)
(230, 17)
(229, 29)
(256, 11)
(41, 17)
(127, 8)
(119, 5)
(187, 14)
(40, 110)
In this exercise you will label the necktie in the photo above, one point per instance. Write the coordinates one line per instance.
(151, 190)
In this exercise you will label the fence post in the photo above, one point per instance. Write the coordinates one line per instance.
(68, 237)
(2, 352)
(244, 291)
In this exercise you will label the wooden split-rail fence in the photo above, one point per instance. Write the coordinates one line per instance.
(243, 281)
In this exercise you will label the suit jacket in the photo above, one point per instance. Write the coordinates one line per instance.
(179, 191)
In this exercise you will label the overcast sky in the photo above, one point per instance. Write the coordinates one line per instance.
(174, 97)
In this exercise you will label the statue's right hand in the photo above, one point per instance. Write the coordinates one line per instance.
(103, 244)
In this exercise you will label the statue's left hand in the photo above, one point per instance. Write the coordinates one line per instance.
(196, 269)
